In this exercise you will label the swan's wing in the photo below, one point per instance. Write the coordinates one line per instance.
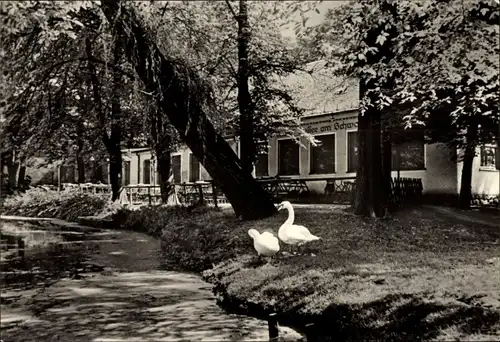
(300, 230)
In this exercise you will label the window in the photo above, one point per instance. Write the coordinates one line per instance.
(176, 168)
(288, 157)
(147, 171)
(261, 165)
(409, 154)
(488, 154)
(352, 151)
(323, 156)
(194, 168)
(126, 172)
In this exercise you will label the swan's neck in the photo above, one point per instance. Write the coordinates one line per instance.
(291, 216)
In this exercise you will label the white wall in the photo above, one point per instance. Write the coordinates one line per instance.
(485, 181)
(439, 175)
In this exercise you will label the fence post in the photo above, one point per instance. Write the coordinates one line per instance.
(272, 324)
(149, 195)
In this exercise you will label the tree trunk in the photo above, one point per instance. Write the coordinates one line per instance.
(247, 151)
(98, 176)
(113, 141)
(162, 143)
(369, 181)
(12, 168)
(79, 159)
(466, 180)
(187, 99)
(386, 169)
(164, 168)
(81, 169)
(21, 177)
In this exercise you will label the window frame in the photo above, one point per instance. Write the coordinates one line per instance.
(347, 148)
(144, 173)
(125, 164)
(424, 166)
(310, 152)
(492, 167)
(267, 169)
(278, 157)
(172, 155)
(191, 156)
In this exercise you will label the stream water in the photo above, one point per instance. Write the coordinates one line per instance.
(63, 281)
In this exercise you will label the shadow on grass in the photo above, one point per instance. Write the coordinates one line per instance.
(413, 319)
(399, 317)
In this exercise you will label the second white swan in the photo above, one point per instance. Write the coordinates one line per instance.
(266, 244)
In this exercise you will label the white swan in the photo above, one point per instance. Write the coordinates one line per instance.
(266, 244)
(292, 234)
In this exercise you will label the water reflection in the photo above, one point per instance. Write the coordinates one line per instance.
(34, 253)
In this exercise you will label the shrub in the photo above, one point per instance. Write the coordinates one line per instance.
(38, 202)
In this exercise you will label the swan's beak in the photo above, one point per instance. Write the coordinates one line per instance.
(279, 206)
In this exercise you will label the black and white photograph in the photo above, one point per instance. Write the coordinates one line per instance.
(244, 170)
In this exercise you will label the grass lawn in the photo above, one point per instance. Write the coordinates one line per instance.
(418, 275)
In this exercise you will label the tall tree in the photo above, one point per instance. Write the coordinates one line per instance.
(186, 99)
(244, 100)
(59, 50)
(245, 63)
(425, 51)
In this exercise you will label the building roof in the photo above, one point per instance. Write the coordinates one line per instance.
(318, 91)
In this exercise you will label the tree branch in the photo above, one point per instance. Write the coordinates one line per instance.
(235, 16)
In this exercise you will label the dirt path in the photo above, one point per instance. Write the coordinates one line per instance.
(129, 299)
(492, 220)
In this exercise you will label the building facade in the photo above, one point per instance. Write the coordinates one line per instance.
(336, 156)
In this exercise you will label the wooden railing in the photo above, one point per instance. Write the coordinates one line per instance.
(341, 189)
(187, 193)
(405, 190)
(337, 190)
(283, 187)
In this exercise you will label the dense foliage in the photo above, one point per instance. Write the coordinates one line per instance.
(437, 55)
(38, 202)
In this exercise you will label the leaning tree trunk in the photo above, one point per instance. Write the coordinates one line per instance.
(369, 181)
(186, 99)
(247, 150)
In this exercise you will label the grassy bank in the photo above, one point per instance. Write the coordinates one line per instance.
(419, 275)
